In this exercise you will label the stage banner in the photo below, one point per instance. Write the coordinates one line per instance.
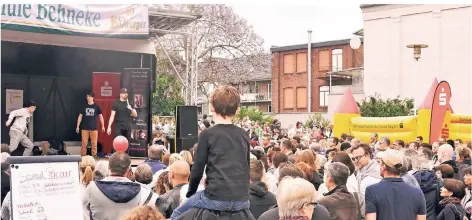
(123, 21)
(106, 87)
(439, 126)
(137, 81)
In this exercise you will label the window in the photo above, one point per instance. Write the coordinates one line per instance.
(301, 97)
(269, 90)
(301, 62)
(288, 98)
(324, 91)
(269, 108)
(252, 87)
(337, 60)
(289, 63)
(323, 60)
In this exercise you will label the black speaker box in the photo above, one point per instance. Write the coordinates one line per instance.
(184, 143)
(187, 121)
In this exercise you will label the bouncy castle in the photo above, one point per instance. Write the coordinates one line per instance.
(435, 120)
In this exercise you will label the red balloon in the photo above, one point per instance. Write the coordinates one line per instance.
(120, 144)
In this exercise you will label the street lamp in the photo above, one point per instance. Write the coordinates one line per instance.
(417, 50)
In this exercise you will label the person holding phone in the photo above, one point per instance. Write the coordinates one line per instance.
(121, 113)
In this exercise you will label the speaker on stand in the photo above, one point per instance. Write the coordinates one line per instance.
(186, 132)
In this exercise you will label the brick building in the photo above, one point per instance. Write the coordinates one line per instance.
(290, 78)
(256, 92)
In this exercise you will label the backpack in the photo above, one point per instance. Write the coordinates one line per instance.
(58, 145)
(458, 214)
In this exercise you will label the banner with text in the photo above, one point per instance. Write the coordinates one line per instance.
(137, 81)
(94, 20)
(106, 87)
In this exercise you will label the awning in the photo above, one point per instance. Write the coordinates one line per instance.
(343, 74)
(115, 44)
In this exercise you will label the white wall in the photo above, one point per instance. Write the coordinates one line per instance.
(334, 101)
(290, 119)
(391, 70)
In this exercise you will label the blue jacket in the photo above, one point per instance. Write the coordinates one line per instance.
(156, 165)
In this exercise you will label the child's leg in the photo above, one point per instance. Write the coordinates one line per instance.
(216, 205)
(187, 205)
(199, 200)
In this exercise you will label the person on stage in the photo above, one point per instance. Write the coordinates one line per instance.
(88, 117)
(19, 128)
(121, 113)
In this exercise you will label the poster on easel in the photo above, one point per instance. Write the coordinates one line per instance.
(13, 100)
(45, 188)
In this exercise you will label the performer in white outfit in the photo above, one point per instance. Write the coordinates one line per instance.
(19, 128)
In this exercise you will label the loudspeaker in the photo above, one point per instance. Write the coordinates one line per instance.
(184, 143)
(187, 121)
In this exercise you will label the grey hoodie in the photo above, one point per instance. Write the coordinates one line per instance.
(109, 198)
(366, 176)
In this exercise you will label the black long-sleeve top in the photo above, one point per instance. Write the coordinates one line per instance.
(224, 150)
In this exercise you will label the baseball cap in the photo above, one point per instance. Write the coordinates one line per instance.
(392, 158)
(123, 90)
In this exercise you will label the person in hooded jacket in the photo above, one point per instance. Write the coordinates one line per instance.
(114, 195)
(430, 186)
(260, 199)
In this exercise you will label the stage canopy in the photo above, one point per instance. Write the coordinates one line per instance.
(122, 28)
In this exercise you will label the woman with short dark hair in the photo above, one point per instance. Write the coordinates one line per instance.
(452, 192)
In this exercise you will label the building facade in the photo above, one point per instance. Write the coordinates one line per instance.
(290, 76)
(390, 68)
(256, 92)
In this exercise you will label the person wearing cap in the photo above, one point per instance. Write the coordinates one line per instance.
(121, 113)
(392, 198)
(19, 129)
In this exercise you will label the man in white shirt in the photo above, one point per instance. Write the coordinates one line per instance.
(19, 128)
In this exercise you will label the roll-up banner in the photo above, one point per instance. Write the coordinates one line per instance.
(442, 97)
(137, 81)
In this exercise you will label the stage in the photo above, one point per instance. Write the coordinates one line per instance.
(73, 148)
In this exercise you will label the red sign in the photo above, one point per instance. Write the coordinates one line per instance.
(106, 87)
(442, 97)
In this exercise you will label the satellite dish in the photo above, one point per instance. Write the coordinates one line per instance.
(355, 42)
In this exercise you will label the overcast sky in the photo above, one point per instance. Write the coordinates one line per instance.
(282, 25)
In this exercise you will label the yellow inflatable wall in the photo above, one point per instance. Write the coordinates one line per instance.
(396, 128)
(405, 128)
(460, 127)
(347, 120)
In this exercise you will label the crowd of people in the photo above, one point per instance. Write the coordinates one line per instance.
(249, 170)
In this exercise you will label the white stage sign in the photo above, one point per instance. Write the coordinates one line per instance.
(13, 100)
(46, 191)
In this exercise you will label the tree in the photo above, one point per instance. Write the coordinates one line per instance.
(254, 114)
(374, 106)
(317, 120)
(168, 88)
(227, 49)
(167, 95)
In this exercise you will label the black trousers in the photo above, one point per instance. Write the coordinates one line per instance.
(125, 133)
